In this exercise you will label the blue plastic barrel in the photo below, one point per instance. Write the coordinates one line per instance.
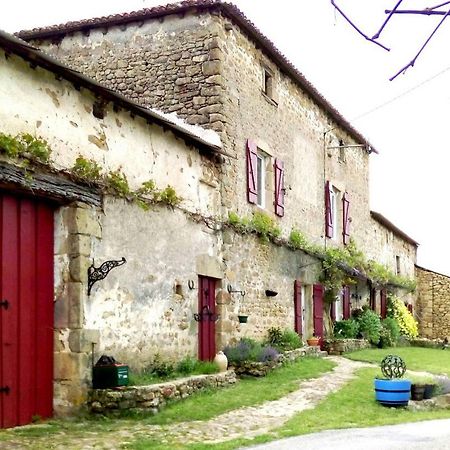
(392, 392)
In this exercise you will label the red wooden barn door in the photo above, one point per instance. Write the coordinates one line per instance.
(318, 309)
(207, 324)
(26, 311)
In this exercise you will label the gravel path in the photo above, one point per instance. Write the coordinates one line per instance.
(243, 422)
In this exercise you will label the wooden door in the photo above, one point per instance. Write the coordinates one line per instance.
(26, 311)
(346, 303)
(383, 304)
(318, 310)
(298, 308)
(207, 316)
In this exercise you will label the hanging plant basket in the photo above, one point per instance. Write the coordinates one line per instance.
(242, 319)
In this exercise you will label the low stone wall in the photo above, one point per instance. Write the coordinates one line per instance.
(260, 369)
(339, 346)
(429, 343)
(153, 397)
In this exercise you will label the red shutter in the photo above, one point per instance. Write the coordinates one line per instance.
(318, 310)
(383, 305)
(298, 307)
(328, 212)
(372, 300)
(346, 305)
(345, 219)
(279, 187)
(252, 179)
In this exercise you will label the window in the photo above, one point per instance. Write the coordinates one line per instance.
(267, 83)
(342, 156)
(261, 180)
(397, 265)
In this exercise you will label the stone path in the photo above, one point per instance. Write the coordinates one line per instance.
(243, 422)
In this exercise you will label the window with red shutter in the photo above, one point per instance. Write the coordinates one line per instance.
(328, 210)
(279, 187)
(345, 219)
(298, 308)
(252, 175)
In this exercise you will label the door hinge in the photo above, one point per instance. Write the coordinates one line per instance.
(4, 304)
(5, 389)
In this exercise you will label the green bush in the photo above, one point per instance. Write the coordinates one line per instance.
(405, 320)
(187, 365)
(346, 329)
(283, 340)
(370, 326)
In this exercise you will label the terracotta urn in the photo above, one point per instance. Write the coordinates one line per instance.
(221, 361)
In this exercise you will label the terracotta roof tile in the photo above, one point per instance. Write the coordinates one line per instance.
(227, 9)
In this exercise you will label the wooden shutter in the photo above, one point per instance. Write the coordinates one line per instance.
(346, 305)
(279, 187)
(345, 219)
(383, 304)
(298, 307)
(372, 300)
(328, 212)
(252, 176)
(333, 311)
(318, 309)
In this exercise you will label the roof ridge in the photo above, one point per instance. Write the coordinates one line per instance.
(233, 12)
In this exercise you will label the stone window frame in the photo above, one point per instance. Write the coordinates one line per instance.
(268, 84)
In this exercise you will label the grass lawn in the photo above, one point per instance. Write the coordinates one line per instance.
(353, 406)
(416, 358)
(201, 406)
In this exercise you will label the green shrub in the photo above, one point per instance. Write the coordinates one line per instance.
(405, 320)
(264, 225)
(283, 340)
(394, 330)
(169, 196)
(205, 367)
(162, 368)
(346, 329)
(298, 240)
(187, 365)
(117, 181)
(370, 326)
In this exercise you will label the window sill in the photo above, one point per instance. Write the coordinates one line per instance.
(269, 99)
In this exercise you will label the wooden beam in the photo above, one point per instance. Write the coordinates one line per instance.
(52, 186)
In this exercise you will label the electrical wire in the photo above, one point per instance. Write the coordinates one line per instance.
(403, 94)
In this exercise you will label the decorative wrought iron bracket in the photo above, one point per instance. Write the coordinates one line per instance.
(98, 273)
(235, 291)
(206, 314)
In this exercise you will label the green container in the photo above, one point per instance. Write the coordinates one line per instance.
(110, 376)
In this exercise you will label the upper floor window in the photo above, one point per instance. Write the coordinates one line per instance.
(336, 205)
(397, 265)
(258, 167)
(268, 83)
(260, 180)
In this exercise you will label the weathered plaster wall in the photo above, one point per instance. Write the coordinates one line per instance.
(433, 304)
(63, 116)
(145, 306)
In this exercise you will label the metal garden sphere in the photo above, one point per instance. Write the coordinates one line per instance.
(393, 366)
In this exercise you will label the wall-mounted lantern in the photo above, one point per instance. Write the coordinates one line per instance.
(231, 290)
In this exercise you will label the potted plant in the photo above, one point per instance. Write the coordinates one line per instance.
(392, 390)
(313, 341)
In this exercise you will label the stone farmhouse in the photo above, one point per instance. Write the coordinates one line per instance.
(229, 213)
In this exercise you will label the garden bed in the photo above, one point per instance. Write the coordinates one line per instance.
(153, 397)
(260, 369)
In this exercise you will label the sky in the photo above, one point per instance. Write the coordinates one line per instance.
(406, 120)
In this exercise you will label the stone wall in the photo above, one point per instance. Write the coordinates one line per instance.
(433, 304)
(154, 397)
(170, 64)
(339, 346)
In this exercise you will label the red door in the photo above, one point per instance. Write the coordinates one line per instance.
(26, 310)
(346, 304)
(298, 309)
(383, 304)
(318, 309)
(207, 318)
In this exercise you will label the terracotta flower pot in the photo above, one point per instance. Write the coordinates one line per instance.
(313, 342)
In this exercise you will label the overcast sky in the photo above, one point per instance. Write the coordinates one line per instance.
(407, 118)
